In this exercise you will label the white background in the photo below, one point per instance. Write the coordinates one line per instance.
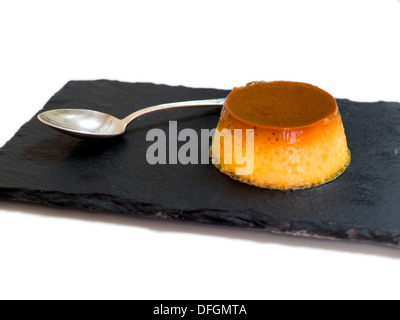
(350, 48)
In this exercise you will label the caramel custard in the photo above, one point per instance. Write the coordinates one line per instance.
(299, 139)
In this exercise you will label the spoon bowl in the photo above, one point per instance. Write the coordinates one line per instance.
(83, 123)
(90, 124)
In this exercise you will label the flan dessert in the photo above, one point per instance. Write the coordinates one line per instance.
(292, 133)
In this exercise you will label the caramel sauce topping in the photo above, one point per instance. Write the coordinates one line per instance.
(281, 104)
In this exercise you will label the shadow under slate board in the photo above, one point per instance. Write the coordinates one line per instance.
(39, 165)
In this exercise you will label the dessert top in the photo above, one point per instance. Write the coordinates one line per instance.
(280, 104)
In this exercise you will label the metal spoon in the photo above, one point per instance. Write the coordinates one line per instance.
(89, 124)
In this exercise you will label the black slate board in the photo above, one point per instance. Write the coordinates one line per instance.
(40, 165)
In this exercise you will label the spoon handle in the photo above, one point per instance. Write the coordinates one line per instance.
(185, 104)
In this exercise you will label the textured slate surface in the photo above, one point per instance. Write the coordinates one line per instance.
(40, 165)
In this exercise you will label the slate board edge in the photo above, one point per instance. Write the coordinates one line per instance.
(127, 207)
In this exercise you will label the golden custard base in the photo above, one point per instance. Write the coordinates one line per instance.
(310, 153)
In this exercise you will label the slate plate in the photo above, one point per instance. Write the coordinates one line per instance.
(40, 165)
